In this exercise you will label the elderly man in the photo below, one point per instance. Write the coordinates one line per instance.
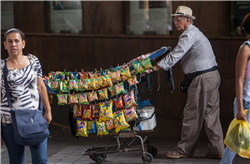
(202, 81)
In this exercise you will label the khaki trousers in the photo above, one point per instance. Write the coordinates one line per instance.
(203, 106)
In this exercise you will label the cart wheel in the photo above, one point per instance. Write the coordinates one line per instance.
(98, 159)
(152, 150)
(148, 158)
(104, 156)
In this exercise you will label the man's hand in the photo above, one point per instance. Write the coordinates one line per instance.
(241, 115)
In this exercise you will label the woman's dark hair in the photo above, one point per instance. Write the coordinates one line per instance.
(14, 30)
(245, 27)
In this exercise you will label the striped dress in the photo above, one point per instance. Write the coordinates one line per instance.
(22, 87)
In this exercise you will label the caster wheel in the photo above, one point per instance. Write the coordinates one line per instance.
(98, 159)
(104, 156)
(152, 150)
(148, 158)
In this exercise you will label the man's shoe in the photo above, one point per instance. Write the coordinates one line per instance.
(176, 154)
(213, 156)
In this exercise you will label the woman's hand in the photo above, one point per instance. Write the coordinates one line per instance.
(48, 116)
(241, 115)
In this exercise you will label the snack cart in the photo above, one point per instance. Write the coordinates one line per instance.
(143, 124)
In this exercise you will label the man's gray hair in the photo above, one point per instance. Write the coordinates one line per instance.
(191, 20)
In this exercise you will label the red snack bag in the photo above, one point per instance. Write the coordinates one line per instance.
(118, 103)
(86, 112)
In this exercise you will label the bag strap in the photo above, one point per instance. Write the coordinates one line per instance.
(246, 43)
(5, 74)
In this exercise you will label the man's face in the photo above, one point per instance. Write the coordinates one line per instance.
(180, 23)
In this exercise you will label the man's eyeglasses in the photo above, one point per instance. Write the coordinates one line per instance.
(177, 19)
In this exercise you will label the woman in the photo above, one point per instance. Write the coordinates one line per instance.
(242, 100)
(25, 84)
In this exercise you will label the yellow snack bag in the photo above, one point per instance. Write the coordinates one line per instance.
(238, 137)
(115, 76)
(81, 128)
(106, 112)
(119, 121)
(101, 129)
(92, 84)
(92, 96)
(99, 82)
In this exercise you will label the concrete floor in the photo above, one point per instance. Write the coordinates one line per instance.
(63, 148)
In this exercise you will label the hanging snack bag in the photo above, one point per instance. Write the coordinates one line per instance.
(86, 112)
(109, 124)
(55, 85)
(77, 111)
(103, 94)
(82, 85)
(91, 127)
(129, 99)
(92, 75)
(125, 74)
(119, 89)
(146, 63)
(101, 129)
(63, 85)
(130, 114)
(62, 99)
(118, 103)
(112, 91)
(81, 128)
(119, 121)
(73, 85)
(132, 81)
(92, 84)
(73, 99)
(83, 99)
(138, 67)
(106, 112)
(92, 96)
(107, 81)
(115, 76)
(99, 82)
(95, 110)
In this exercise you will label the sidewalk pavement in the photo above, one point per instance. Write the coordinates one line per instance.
(63, 148)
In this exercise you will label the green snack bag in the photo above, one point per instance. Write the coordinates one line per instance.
(82, 85)
(63, 86)
(73, 85)
(119, 89)
(62, 99)
(146, 63)
(55, 85)
(83, 99)
(138, 67)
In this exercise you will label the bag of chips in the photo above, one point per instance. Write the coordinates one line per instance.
(118, 103)
(119, 121)
(92, 96)
(92, 84)
(83, 99)
(106, 112)
(63, 86)
(109, 124)
(73, 85)
(99, 83)
(146, 63)
(103, 94)
(81, 128)
(95, 110)
(101, 129)
(138, 67)
(77, 111)
(107, 81)
(130, 114)
(125, 73)
(82, 85)
(132, 81)
(129, 99)
(91, 127)
(55, 85)
(62, 99)
(115, 76)
(73, 99)
(86, 112)
(119, 89)
(112, 91)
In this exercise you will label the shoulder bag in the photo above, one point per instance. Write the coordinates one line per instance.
(30, 126)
